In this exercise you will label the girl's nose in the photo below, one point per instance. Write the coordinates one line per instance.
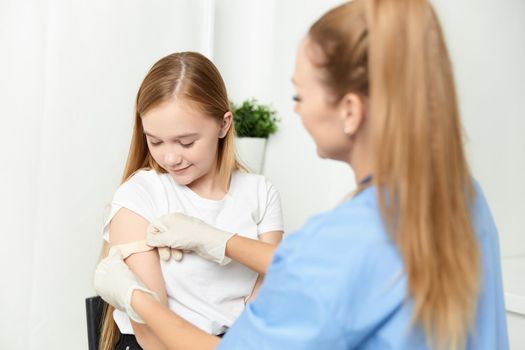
(172, 159)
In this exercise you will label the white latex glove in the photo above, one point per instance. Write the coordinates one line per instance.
(184, 232)
(115, 283)
(167, 253)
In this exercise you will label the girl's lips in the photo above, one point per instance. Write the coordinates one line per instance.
(180, 169)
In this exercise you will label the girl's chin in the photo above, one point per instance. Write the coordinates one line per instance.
(181, 180)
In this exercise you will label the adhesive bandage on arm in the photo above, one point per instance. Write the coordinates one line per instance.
(131, 248)
(128, 249)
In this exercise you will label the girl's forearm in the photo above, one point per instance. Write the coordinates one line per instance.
(253, 254)
(175, 332)
(146, 338)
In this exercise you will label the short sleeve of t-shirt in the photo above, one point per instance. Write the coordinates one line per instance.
(136, 194)
(270, 216)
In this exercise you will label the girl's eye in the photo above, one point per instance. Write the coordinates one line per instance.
(155, 143)
(296, 98)
(187, 145)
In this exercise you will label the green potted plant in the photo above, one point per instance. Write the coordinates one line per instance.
(254, 123)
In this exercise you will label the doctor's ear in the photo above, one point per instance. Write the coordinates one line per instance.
(353, 113)
(226, 124)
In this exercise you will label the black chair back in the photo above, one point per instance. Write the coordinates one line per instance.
(94, 310)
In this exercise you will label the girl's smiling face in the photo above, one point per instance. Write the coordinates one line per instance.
(183, 140)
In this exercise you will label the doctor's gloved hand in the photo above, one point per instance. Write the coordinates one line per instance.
(167, 253)
(115, 283)
(184, 232)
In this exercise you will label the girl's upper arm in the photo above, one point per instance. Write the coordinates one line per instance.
(272, 237)
(126, 227)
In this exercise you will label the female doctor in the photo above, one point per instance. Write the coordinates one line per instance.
(411, 260)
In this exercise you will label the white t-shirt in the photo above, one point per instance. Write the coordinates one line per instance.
(202, 292)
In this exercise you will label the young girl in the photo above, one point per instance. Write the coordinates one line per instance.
(182, 160)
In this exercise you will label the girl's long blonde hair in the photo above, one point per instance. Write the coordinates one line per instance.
(191, 77)
(393, 52)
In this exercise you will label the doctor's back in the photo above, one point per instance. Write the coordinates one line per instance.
(339, 283)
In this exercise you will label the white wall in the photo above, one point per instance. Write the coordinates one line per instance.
(72, 68)
(22, 35)
(488, 51)
(255, 53)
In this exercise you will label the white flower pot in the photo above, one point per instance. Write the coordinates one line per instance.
(251, 152)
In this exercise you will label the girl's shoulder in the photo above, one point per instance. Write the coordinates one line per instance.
(250, 184)
(245, 176)
(141, 193)
(254, 195)
(144, 177)
(144, 181)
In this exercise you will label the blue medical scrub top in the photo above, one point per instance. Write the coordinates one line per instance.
(338, 283)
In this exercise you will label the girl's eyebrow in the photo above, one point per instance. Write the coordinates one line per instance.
(176, 138)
